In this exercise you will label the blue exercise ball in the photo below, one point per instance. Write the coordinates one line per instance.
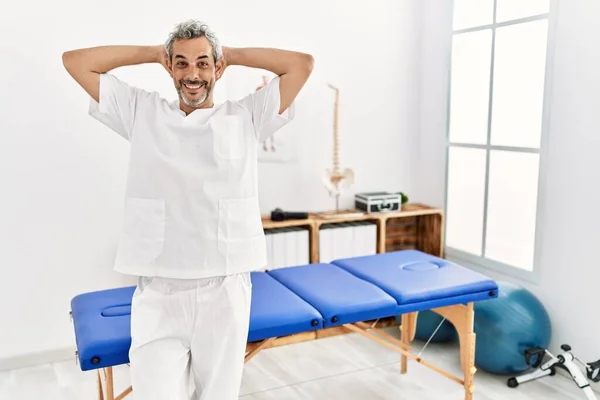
(508, 325)
(428, 322)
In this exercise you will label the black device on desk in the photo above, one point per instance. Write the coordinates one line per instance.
(279, 215)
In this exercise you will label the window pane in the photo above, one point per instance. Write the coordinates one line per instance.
(512, 205)
(470, 87)
(466, 182)
(514, 9)
(518, 92)
(470, 13)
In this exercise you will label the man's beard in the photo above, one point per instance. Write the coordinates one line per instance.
(189, 102)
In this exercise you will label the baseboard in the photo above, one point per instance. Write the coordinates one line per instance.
(42, 357)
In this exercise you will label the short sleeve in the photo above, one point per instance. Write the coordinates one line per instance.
(117, 105)
(264, 107)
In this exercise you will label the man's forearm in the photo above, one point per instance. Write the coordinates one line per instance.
(106, 58)
(293, 67)
(275, 60)
(86, 65)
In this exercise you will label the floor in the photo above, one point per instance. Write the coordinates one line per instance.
(348, 367)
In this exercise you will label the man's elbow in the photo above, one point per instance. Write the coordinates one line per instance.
(65, 58)
(308, 63)
(302, 66)
(68, 59)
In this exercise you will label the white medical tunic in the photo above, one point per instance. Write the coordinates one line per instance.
(191, 207)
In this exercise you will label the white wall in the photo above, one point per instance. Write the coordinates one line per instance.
(571, 217)
(63, 174)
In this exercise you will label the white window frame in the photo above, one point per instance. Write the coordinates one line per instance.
(481, 263)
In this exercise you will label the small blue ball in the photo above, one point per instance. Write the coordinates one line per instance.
(428, 322)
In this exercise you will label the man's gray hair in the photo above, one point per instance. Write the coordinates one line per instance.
(192, 29)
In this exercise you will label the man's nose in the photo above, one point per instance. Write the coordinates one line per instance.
(194, 74)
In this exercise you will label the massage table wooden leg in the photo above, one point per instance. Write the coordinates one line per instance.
(408, 329)
(462, 317)
(100, 389)
(110, 391)
(106, 386)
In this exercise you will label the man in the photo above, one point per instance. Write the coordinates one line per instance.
(192, 230)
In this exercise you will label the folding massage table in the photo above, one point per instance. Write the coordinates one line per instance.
(305, 299)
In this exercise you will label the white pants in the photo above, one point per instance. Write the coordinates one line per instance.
(189, 331)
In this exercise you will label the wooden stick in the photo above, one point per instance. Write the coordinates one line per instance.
(381, 231)
(408, 330)
(100, 389)
(124, 393)
(258, 348)
(404, 352)
(110, 391)
(389, 337)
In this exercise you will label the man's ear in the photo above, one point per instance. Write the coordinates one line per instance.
(220, 67)
(169, 67)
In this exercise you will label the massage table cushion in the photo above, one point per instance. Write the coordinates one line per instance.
(299, 299)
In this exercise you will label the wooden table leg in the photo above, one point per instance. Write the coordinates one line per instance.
(463, 318)
(467, 351)
(110, 390)
(408, 330)
(100, 389)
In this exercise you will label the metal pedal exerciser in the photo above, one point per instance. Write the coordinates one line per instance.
(565, 360)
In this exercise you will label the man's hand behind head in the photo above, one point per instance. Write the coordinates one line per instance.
(162, 57)
(265, 82)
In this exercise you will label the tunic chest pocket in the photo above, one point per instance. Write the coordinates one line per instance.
(142, 238)
(228, 137)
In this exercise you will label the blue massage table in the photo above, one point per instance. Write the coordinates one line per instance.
(308, 299)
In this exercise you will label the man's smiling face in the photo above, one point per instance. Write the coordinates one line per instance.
(195, 72)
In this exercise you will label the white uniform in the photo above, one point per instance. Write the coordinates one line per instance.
(192, 233)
